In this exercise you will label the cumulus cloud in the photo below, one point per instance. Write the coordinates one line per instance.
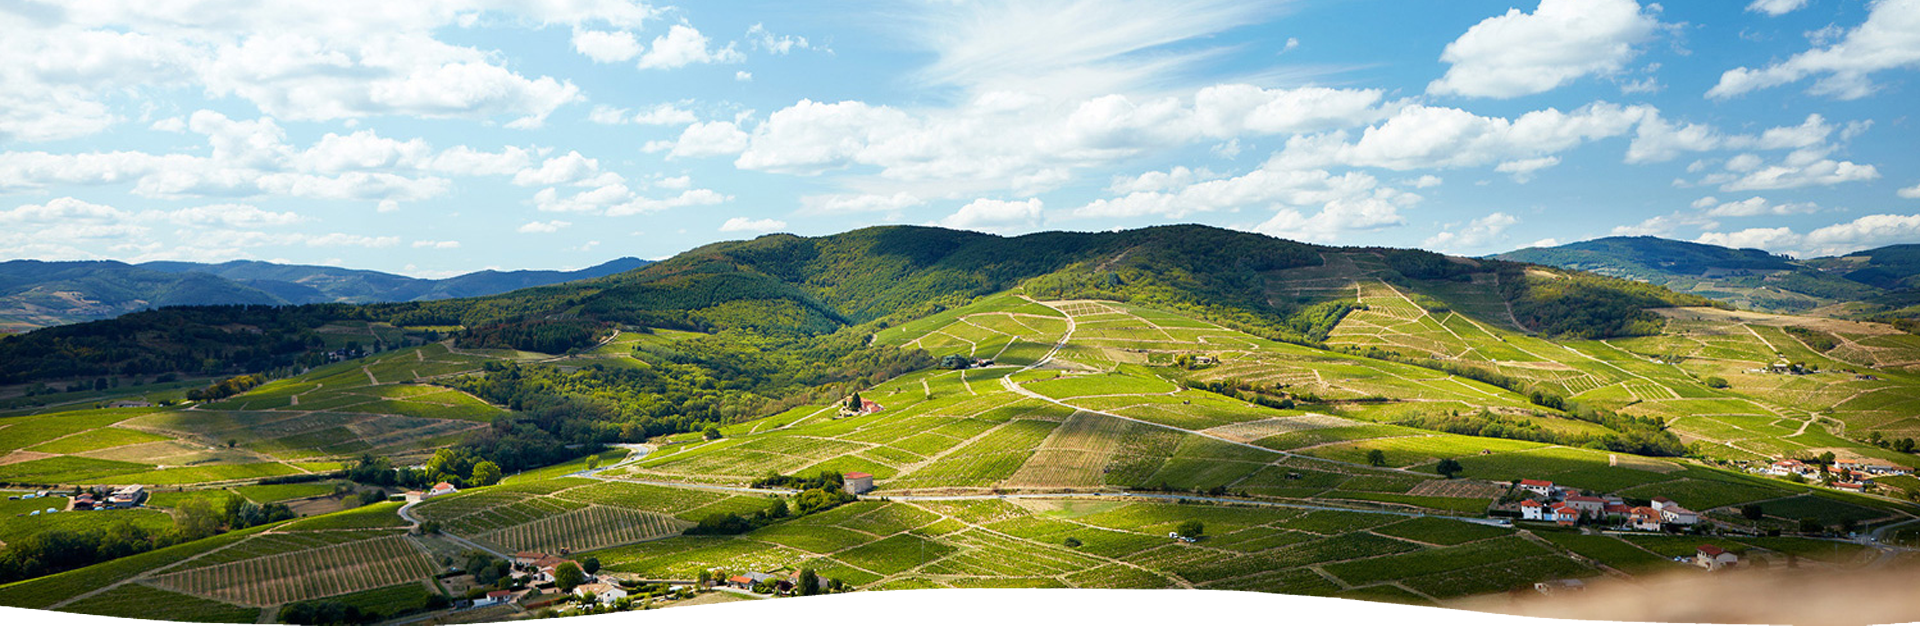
(1705, 213)
(570, 168)
(1428, 137)
(1910, 192)
(1776, 7)
(606, 46)
(1840, 238)
(1888, 39)
(1474, 234)
(684, 45)
(772, 43)
(990, 215)
(1520, 54)
(757, 226)
(437, 245)
(718, 138)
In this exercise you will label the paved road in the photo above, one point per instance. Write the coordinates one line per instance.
(406, 513)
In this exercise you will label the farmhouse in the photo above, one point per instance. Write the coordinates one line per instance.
(536, 559)
(1565, 516)
(1533, 510)
(1786, 467)
(83, 501)
(442, 488)
(1714, 558)
(127, 496)
(1537, 486)
(1673, 513)
(494, 597)
(130, 403)
(604, 593)
(857, 483)
(1587, 505)
(1559, 586)
(1644, 518)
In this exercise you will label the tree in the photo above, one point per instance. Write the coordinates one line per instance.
(1376, 457)
(485, 473)
(854, 403)
(1448, 467)
(1796, 478)
(1810, 525)
(1716, 382)
(568, 575)
(809, 582)
(591, 565)
(1752, 512)
(1072, 542)
(704, 577)
(196, 518)
(711, 433)
(1191, 529)
(593, 461)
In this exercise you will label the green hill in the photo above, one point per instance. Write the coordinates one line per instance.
(1749, 278)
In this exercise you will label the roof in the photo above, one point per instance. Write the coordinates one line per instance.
(1712, 550)
(740, 579)
(443, 486)
(1645, 510)
(1585, 499)
(1565, 511)
(1529, 503)
(1535, 482)
(857, 476)
(1661, 500)
(498, 594)
(1679, 510)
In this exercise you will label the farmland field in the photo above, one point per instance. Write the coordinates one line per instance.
(305, 575)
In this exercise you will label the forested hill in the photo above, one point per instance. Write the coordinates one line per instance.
(1747, 278)
(785, 291)
(38, 293)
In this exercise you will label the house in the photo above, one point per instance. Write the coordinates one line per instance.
(1533, 510)
(602, 592)
(1645, 518)
(83, 501)
(1850, 486)
(1786, 467)
(536, 559)
(857, 483)
(1565, 516)
(127, 496)
(1672, 513)
(130, 403)
(494, 597)
(1714, 558)
(442, 488)
(868, 405)
(1537, 486)
(1593, 506)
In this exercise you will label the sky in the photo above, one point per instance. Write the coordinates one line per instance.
(437, 137)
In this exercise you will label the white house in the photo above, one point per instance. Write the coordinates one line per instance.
(1593, 506)
(494, 597)
(1714, 558)
(1675, 514)
(1644, 518)
(604, 593)
(1537, 486)
(1533, 510)
(442, 488)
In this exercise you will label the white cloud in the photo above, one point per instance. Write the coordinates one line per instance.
(1776, 7)
(437, 245)
(757, 226)
(1878, 230)
(1910, 192)
(1800, 168)
(561, 169)
(842, 203)
(1474, 234)
(606, 46)
(769, 42)
(1888, 39)
(537, 227)
(1523, 170)
(1762, 238)
(990, 215)
(1519, 54)
(1427, 137)
(743, 76)
(718, 138)
(1756, 206)
(683, 45)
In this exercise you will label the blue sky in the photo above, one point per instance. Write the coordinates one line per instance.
(444, 136)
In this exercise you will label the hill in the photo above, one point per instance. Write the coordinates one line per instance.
(1749, 278)
(39, 294)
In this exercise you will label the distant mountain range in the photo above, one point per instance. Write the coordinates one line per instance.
(1882, 280)
(37, 294)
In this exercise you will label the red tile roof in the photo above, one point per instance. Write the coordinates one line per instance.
(1535, 482)
(858, 476)
(1529, 503)
(1712, 550)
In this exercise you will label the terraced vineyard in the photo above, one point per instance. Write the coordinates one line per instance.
(590, 528)
(305, 574)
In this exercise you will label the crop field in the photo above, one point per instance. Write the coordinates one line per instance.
(306, 574)
(1076, 454)
(590, 528)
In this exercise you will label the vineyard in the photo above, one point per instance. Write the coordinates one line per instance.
(589, 528)
(306, 574)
